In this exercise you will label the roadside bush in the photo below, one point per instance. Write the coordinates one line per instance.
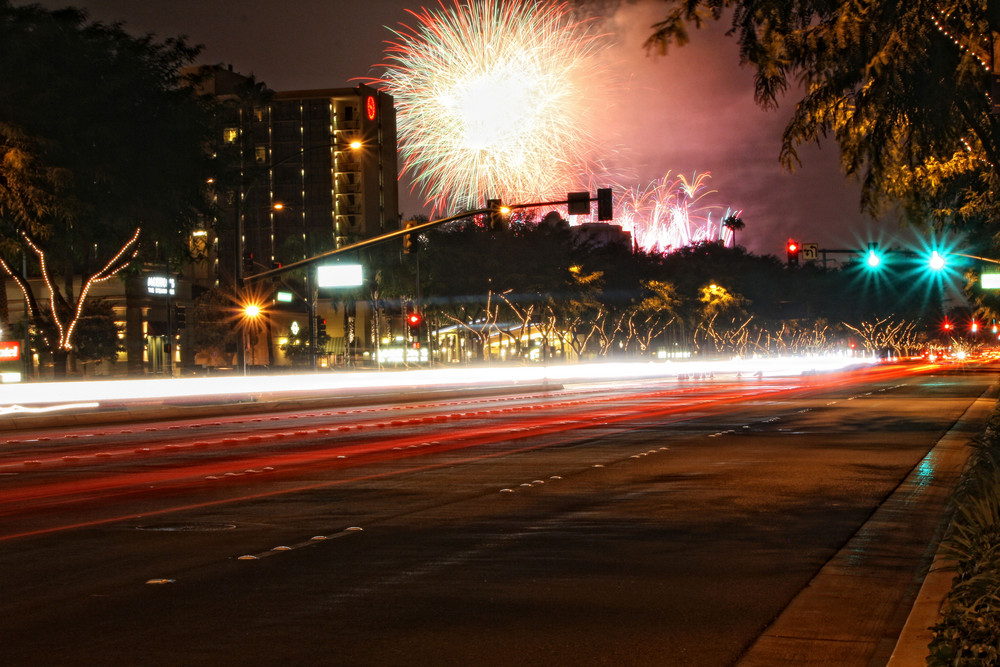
(969, 630)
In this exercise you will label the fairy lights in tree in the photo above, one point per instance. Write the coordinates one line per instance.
(115, 265)
(64, 315)
(982, 60)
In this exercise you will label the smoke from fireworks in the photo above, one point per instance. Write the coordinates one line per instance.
(494, 98)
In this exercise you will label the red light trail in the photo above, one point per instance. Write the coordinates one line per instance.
(235, 464)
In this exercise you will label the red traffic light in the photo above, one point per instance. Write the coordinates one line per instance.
(414, 319)
(793, 248)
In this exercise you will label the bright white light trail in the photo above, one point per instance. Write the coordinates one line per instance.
(276, 386)
(15, 409)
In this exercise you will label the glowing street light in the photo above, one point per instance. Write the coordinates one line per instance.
(251, 312)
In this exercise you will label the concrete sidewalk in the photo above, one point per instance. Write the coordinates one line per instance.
(871, 603)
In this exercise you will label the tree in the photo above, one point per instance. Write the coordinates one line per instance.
(903, 87)
(657, 311)
(467, 267)
(98, 334)
(212, 320)
(102, 145)
(734, 224)
(723, 317)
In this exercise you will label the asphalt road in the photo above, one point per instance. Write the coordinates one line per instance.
(614, 524)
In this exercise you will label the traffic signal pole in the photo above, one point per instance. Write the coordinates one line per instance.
(375, 240)
(603, 200)
(604, 207)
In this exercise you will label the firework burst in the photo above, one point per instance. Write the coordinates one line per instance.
(493, 99)
(669, 214)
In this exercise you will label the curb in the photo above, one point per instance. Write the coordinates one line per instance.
(912, 647)
(852, 610)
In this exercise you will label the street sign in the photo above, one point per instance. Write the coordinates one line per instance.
(161, 285)
(810, 251)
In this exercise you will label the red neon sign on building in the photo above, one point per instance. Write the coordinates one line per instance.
(10, 350)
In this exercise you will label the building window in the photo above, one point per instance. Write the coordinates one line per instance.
(258, 114)
(230, 134)
(260, 153)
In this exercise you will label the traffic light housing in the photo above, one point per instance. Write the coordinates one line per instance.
(410, 242)
(937, 261)
(320, 326)
(414, 320)
(873, 260)
(578, 203)
(605, 205)
(180, 317)
(793, 249)
(497, 215)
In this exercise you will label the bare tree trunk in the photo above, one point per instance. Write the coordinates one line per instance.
(59, 359)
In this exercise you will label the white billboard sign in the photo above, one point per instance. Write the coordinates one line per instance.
(339, 275)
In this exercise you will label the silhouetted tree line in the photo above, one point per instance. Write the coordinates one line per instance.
(598, 301)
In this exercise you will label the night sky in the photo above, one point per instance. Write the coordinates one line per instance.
(688, 112)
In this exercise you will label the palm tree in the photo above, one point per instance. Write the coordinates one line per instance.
(734, 224)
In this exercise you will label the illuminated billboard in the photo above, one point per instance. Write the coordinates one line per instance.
(991, 280)
(339, 275)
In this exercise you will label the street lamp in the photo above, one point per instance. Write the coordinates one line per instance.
(239, 273)
(251, 313)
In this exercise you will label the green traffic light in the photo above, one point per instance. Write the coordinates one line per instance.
(936, 261)
(874, 260)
